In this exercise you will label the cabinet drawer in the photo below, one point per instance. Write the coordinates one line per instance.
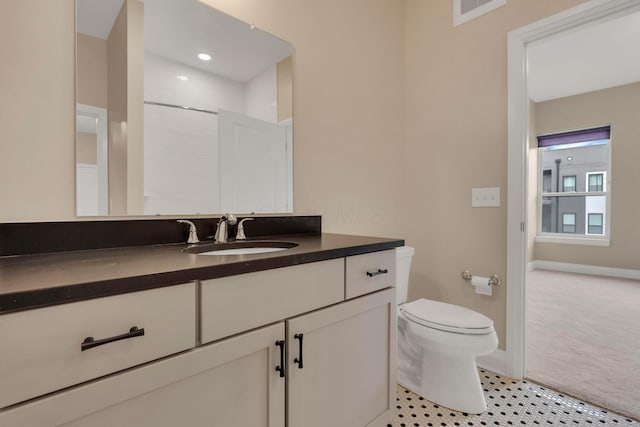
(230, 383)
(41, 349)
(370, 272)
(240, 303)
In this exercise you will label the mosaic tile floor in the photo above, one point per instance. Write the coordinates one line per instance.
(509, 402)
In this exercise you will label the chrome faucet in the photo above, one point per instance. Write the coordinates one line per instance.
(240, 233)
(193, 233)
(222, 233)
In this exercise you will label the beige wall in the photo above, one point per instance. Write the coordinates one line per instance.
(125, 51)
(117, 76)
(456, 139)
(92, 70)
(284, 71)
(135, 107)
(618, 106)
(37, 110)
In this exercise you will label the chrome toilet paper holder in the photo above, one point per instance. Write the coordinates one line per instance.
(494, 280)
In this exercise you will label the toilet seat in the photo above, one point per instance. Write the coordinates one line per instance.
(447, 317)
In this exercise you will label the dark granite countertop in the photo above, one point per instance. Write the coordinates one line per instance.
(31, 281)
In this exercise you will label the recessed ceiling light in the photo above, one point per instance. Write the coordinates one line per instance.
(204, 56)
(569, 158)
(182, 77)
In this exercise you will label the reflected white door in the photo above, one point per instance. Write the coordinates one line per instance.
(86, 185)
(92, 120)
(254, 165)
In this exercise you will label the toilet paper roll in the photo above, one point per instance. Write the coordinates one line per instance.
(481, 285)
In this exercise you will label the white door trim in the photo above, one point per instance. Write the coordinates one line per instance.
(518, 133)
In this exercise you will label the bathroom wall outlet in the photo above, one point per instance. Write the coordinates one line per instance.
(485, 197)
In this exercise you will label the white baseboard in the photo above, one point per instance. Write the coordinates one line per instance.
(494, 362)
(596, 270)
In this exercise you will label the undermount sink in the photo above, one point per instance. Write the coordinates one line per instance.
(240, 248)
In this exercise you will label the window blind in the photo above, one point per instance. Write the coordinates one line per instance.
(584, 135)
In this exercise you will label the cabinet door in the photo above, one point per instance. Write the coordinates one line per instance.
(347, 378)
(230, 383)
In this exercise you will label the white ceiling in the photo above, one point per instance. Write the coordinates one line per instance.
(96, 17)
(590, 58)
(179, 30)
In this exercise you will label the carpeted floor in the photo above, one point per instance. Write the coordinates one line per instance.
(583, 337)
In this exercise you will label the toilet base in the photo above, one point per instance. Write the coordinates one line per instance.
(449, 380)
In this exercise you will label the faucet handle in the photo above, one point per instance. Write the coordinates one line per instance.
(193, 232)
(240, 234)
(229, 218)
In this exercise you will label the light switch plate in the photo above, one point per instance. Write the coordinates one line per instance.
(485, 197)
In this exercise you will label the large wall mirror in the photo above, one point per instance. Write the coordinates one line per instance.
(181, 110)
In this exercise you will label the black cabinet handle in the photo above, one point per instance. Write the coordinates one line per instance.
(299, 360)
(375, 273)
(280, 368)
(90, 342)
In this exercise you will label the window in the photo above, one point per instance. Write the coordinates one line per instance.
(595, 223)
(568, 223)
(595, 181)
(569, 183)
(573, 186)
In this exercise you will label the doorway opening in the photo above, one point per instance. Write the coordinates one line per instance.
(580, 240)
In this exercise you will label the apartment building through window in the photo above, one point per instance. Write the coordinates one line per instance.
(573, 186)
(569, 183)
(596, 181)
(595, 223)
(568, 223)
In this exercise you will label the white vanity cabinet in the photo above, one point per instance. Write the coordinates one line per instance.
(342, 364)
(281, 346)
(234, 304)
(230, 383)
(43, 350)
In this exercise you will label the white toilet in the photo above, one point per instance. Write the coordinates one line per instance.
(438, 344)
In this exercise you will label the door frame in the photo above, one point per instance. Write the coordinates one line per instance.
(518, 143)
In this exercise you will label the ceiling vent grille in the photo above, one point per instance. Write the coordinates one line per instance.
(466, 10)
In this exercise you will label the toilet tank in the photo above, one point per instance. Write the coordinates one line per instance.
(404, 254)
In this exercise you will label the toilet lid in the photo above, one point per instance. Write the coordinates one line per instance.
(447, 317)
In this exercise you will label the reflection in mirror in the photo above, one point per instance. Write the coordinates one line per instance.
(92, 186)
(196, 111)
